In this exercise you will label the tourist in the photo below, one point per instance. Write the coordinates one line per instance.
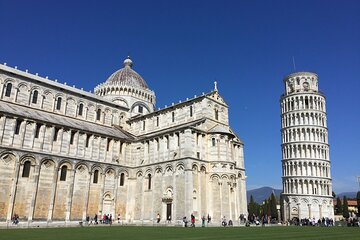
(169, 219)
(119, 218)
(15, 219)
(96, 219)
(158, 217)
(224, 222)
(185, 221)
(192, 220)
(203, 221)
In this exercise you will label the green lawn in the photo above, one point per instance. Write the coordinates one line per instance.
(148, 233)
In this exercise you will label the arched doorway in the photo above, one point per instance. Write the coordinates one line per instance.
(108, 203)
(168, 204)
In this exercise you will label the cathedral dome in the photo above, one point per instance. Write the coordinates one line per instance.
(126, 76)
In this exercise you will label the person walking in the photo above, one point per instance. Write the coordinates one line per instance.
(192, 220)
(203, 221)
(158, 217)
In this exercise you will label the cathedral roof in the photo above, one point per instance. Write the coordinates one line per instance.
(224, 130)
(55, 119)
(126, 76)
(220, 129)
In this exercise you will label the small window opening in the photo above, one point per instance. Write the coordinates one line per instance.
(213, 142)
(72, 137)
(96, 176)
(216, 114)
(58, 103)
(56, 131)
(35, 96)
(17, 126)
(80, 111)
(63, 173)
(26, 169)
(87, 140)
(108, 144)
(37, 130)
(149, 181)
(122, 179)
(8, 90)
(98, 114)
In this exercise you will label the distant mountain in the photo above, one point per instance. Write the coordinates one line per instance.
(260, 194)
(347, 194)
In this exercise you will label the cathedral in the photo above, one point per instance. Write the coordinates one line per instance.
(66, 154)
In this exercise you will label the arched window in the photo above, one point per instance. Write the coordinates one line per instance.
(141, 109)
(149, 181)
(63, 173)
(122, 179)
(213, 142)
(58, 103)
(96, 176)
(98, 114)
(80, 111)
(35, 96)
(216, 114)
(56, 131)
(26, 169)
(8, 90)
(87, 140)
(17, 126)
(37, 130)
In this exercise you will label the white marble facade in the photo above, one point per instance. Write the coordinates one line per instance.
(66, 153)
(307, 188)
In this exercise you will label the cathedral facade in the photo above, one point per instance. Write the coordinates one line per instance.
(66, 154)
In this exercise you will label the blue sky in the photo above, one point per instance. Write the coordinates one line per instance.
(181, 47)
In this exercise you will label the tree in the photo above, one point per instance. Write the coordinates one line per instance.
(338, 207)
(251, 207)
(272, 205)
(345, 208)
(358, 202)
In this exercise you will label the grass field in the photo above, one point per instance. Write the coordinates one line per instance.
(149, 233)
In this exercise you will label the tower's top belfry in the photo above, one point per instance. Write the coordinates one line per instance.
(301, 82)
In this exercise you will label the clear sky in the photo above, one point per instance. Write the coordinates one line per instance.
(181, 47)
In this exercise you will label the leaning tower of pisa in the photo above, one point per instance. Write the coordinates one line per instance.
(307, 190)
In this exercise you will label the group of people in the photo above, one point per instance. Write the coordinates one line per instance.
(325, 222)
(353, 222)
(105, 219)
(224, 223)
(192, 220)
